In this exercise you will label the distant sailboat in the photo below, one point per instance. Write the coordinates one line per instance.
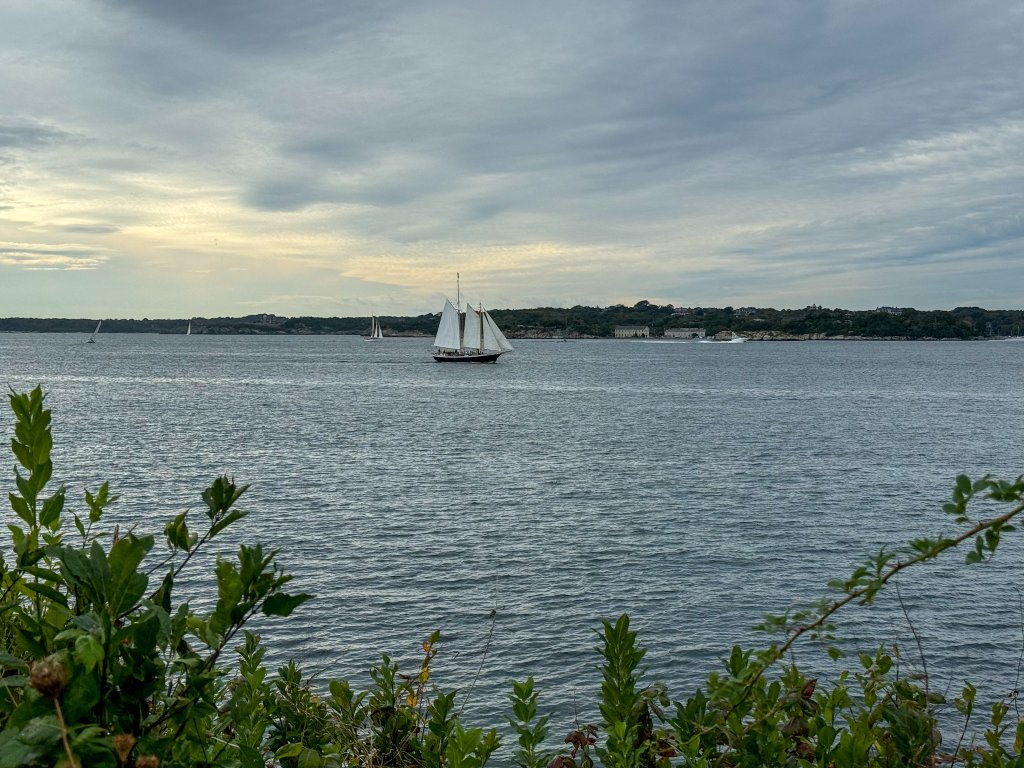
(375, 332)
(188, 331)
(92, 339)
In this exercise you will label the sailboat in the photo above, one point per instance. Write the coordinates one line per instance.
(468, 337)
(188, 331)
(375, 332)
(92, 339)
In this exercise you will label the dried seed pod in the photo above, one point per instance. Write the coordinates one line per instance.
(796, 728)
(48, 676)
(123, 743)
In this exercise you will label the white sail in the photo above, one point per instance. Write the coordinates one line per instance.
(448, 329)
(375, 331)
(471, 332)
(491, 331)
(92, 339)
(188, 331)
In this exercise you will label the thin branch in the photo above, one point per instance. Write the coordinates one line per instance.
(875, 586)
(960, 741)
(1020, 658)
(483, 658)
(917, 639)
(15, 578)
(64, 734)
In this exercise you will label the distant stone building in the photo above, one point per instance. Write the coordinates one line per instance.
(684, 333)
(890, 310)
(265, 318)
(632, 331)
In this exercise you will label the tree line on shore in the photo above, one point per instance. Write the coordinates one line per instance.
(595, 322)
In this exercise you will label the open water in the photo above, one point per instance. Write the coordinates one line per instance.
(694, 486)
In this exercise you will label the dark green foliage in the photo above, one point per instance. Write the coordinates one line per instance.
(596, 322)
(530, 730)
(102, 664)
(627, 713)
(106, 654)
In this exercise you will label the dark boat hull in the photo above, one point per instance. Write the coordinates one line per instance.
(489, 357)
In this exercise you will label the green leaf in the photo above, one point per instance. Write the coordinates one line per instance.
(52, 507)
(289, 750)
(81, 695)
(228, 519)
(87, 621)
(14, 754)
(100, 570)
(177, 532)
(21, 508)
(230, 591)
(98, 502)
(162, 596)
(991, 540)
(127, 585)
(282, 604)
(88, 651)
(7, 660)
(41, 731)
(149, 628)
(48, 592)
(31, 557)
(23, 455)
(963, 484)
(44, 573)
(221, 495)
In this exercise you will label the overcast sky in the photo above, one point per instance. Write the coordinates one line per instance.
(320, 157)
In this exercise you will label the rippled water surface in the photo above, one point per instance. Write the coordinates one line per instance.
(695, 486)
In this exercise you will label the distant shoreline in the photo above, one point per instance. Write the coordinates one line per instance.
(644, 319)
(767, 337)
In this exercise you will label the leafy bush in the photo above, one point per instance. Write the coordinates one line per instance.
(102, 664)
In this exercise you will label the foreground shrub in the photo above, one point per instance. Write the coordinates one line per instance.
(102, 663)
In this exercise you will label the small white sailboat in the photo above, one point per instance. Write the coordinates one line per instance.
(375, 332)
(92, 339)
(188, 331)
(468, 337)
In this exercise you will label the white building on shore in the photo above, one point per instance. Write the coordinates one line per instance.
(632, 331)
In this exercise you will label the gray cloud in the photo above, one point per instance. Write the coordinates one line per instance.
(66, 257)
(90, 229)
(741, 150)
(260, 27)
(19, 133)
